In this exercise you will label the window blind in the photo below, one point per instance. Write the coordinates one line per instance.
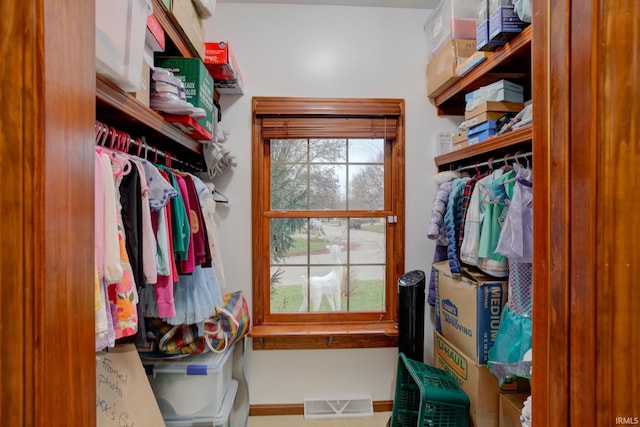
(329, 127)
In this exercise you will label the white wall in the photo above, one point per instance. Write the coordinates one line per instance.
(325, 51)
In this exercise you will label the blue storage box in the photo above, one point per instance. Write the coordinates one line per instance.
(481, 132)
(504, 24)
(483, 43)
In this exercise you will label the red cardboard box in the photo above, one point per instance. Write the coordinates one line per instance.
(223, 67)
(190, 127)
(155, 34)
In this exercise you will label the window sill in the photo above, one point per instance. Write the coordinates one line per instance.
(324, 336)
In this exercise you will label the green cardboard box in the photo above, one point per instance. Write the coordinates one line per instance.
(198, 84)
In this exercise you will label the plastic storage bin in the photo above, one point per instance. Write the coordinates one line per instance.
(120, 33)
(190, 388)
(451, 19)
(427, 396)
(222, 418)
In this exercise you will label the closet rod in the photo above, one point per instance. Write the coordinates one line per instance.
(153, 150)
(108, 135)
(492, 161)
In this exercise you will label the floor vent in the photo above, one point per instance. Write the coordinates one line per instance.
(357, 405)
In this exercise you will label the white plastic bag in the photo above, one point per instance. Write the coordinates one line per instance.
(523, 9)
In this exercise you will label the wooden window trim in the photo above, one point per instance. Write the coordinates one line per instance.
(324, 334)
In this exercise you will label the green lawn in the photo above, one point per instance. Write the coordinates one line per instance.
(300, 245)
(367, 295)
(377, 227)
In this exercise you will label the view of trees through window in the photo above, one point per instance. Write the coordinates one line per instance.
(321, 257)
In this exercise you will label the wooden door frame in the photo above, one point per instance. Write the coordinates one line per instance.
(585, 266)
(46, 164)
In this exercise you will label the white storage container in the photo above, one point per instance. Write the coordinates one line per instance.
(222, 418)
(451, 19)
(121, 26)
(190, 388)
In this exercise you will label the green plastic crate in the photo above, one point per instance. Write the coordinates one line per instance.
(427, 396)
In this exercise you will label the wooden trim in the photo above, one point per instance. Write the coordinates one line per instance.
(20, 29)
(324, 336)
(540, 47)
(615, 148)
(494, 145)
(357, 107)
(583, 177)
(305, 108)
(551, 312)
(276, 409)
(323, 127)
(173, 30)
(112, 104)
(298, 408)
(326, 341)
(260, 163)
(516, 54)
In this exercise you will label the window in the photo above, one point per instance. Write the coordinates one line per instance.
(328, 211)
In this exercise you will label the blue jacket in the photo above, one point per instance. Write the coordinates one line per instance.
(452, 220)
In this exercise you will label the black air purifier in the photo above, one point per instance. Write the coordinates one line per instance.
(411, 314)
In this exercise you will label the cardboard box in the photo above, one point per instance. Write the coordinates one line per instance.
(155, 34)
(482, 29)
(511, 408)
(504, 24)
(183, 13)
(441, 70)
(144, 92)
(223, 67)
(459, 141)
(205, 8)
(501, 106)
(492, 88)
(516, 385)
(190, 127)
(468, 309)
(477, 382)
(450, 20)
(198, 85)
(481, 132)
(483, 117)
(472, 62)
(459, 146)
(505, 95)
(459, 138)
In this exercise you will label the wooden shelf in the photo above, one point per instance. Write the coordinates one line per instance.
(119, 109)
(497, 147)
(173, 31)
(511, 62)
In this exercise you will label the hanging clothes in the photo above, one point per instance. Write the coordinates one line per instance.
(474, 220)
(148, 235)
(466, 199)
(452, 220)
(180, 231)
(123, 295)
(155, 248)
(514, 336)
(436, 228)
(208, 204)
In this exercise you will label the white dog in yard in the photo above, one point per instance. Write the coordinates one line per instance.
(328, 285)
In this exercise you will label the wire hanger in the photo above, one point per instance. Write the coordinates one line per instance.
(224, 199)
